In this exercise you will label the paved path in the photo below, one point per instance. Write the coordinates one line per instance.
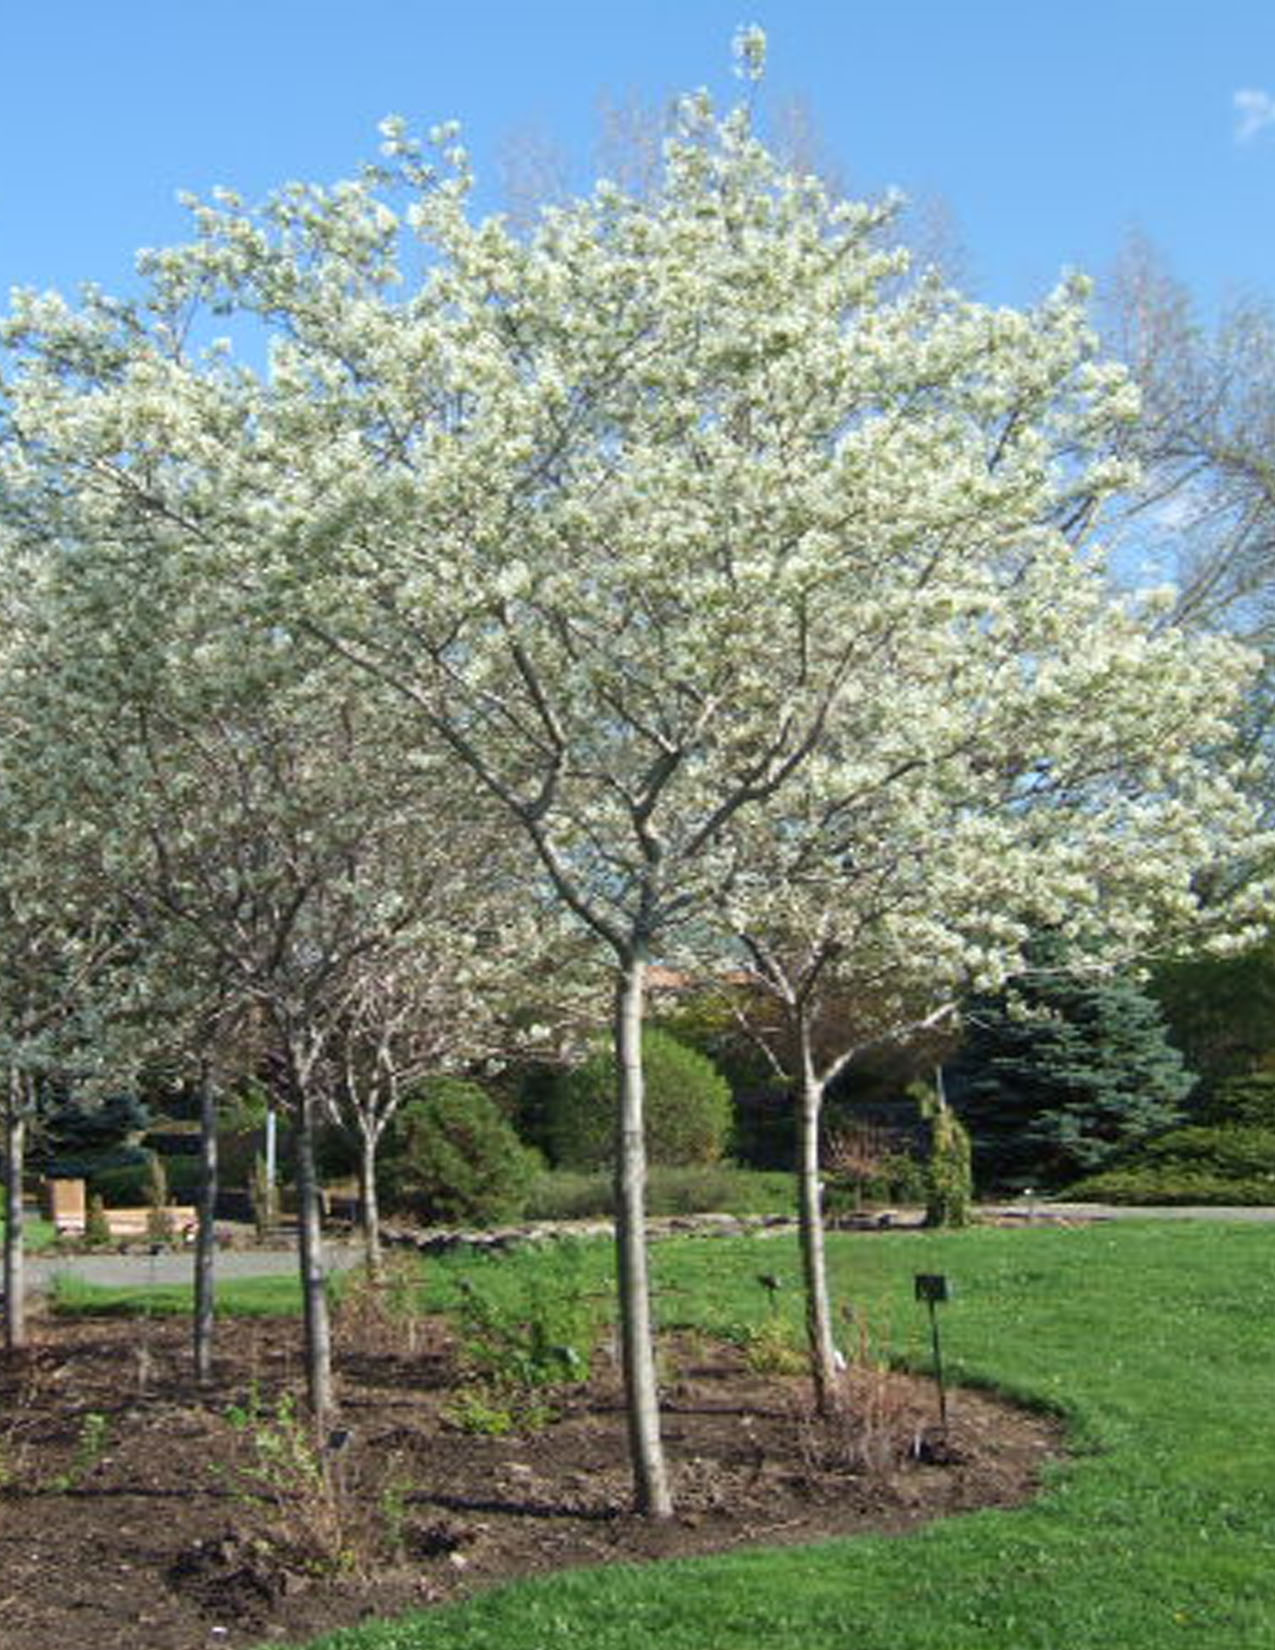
(176, 1266)
(131, 1270)
(1043, 1212)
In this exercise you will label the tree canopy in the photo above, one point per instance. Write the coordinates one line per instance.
(752, 583)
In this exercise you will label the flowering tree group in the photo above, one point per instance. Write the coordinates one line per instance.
(748, 581)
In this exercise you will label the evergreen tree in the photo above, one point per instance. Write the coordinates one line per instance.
(1221, 1010)
(1060, 1074)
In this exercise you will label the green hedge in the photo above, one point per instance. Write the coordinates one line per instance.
(711, 1188)
(1247, 1101)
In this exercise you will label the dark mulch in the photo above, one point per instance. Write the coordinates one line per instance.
(136, 1511)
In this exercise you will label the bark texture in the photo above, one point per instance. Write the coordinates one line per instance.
(206, 1234)
(650, 1476)
(15, 1316)
(369, 1207)
(824, 1373)
(318, 1332)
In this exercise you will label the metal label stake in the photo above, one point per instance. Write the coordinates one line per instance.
(932, 1287)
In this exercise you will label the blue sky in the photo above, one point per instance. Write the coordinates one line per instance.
(1048, 130)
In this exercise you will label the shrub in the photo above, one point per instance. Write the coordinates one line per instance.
(454, 1159)
(183, 1178)
(1197, 1164)
(949, 1178)
(118, 1177)
(159, 1222)
(710, 1188)
(866, 1164)
(571, 1194)
(1246, 1101)
(688, 1112)
(764, 1135)
(97, 1229)
(265, 1200)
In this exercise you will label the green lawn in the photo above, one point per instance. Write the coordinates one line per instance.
(1157, 1342)
(37, 1233)
(238, 1298)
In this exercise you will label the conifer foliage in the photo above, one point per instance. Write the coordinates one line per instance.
(1061, 1074)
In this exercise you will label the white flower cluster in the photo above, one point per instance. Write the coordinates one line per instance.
(743, 574)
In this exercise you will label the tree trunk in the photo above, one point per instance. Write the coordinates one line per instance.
(205, 1233)
(651, 1490)
(15, 1291)
(814, 1267)
(369, 1208)
(318, 1333)
(272, 1153)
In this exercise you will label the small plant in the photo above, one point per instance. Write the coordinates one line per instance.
(539, 1340)
(868, 1430)
(264, 1195)
(328, 1507)
(776, 1347)
(90, 1448)
(384, 1316)
(394, 1517)
(865, 1434)
(532, 1332)
(479, 1410)
(97, 1229)
(159, 1216)
(286, 1469)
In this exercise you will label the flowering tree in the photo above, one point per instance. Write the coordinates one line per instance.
(871, 915)
(655, 516)
(63, 926)
(60, 935)
(259, 819)
(452, 989)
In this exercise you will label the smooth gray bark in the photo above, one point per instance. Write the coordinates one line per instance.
(314, 1297)
(15, 1316)
(824, 1374)
(369, 1205)
(646, 1449)
(205, 1234)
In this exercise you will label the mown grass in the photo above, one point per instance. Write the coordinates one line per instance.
(269, 1297)
(38, 1234)
(1156, 1342)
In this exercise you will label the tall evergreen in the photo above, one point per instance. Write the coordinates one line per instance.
(1060, 1074)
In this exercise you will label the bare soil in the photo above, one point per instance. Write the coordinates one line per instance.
(136, 1510)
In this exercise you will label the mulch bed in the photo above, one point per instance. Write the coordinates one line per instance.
(138, 1511)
